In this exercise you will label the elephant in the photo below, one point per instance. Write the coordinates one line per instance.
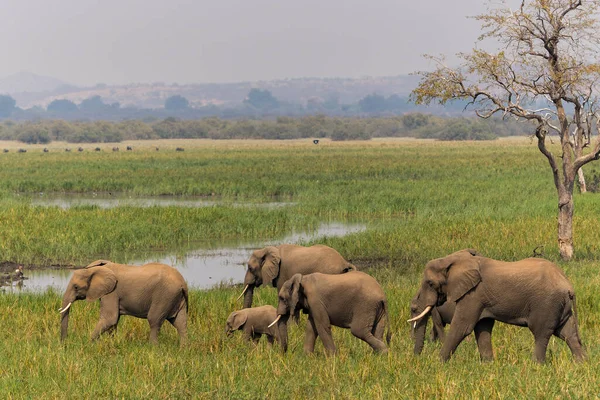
(352, 300)
(277, 264)
(254, 322)
(532, 292)
(156, 292)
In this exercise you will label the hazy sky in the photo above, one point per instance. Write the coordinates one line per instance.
(124, 41)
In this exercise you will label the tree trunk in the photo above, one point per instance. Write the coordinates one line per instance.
(565, 226)
(581, 177)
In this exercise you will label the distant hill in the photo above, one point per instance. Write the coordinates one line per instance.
(24, 81)
(33, 90)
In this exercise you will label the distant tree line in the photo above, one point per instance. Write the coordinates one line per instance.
(314, 126)
(258, 104)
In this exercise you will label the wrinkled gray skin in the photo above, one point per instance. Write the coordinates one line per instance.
(532, 292)
(353, 300)
(254, 322)
(276, 264)
(153, 291)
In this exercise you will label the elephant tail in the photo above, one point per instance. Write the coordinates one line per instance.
(570, 309)
(383, 318)
(184, 291)
(574, 307)
(388, 335)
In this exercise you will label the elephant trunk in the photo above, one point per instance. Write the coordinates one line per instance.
(282, 332)
(419, 334)
(248, 296)
(64, 321)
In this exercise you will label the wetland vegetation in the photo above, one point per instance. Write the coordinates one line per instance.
(419, 200)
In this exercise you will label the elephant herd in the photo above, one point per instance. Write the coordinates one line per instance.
(464, 289)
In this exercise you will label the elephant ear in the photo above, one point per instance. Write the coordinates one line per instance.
(102, 282)
(463, 276)
(238, 319)
(98, 263)
(270, 268)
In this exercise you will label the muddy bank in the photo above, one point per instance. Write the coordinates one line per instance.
(10, 266)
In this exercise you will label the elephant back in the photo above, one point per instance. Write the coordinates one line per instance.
(307, 260)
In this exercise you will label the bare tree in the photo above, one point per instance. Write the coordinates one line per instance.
(546, 71)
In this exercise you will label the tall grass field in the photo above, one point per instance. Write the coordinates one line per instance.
(419, 200)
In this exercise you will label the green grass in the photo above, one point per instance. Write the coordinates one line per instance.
(37, 365)
(410, 193)
(419, 200)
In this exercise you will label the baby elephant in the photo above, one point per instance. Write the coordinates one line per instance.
(254, 322)
(353, 300)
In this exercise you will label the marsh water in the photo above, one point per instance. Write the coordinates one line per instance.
(204, 267)
(111, 200)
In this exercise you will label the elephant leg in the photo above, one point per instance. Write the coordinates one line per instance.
(248, 333)
(310, 336)
(483, 335)
(155, 326)
(113, 329)
(180, 323)
(321, 321)
(270, 340)
(365, 334)
(379, 329)
(109, 316)
(542, 337)
(570, 334)
(437, 330)
(467, 313)
(105, 325)
(156, 317)
(256, 337)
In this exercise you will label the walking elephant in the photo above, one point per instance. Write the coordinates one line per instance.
(353, 300)
(532, 292)
(254, 322)
(276, 264)
(153, 291)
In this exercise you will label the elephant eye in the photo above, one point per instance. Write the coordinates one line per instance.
(75, 287)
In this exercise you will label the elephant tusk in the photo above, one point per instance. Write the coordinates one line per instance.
(418, 317)
(244, 291)
(62, 310)
(274, 322)
(414, 324)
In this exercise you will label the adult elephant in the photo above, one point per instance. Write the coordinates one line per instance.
(533, 292)
(153, 291)
(353, 300)
(276, 264)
